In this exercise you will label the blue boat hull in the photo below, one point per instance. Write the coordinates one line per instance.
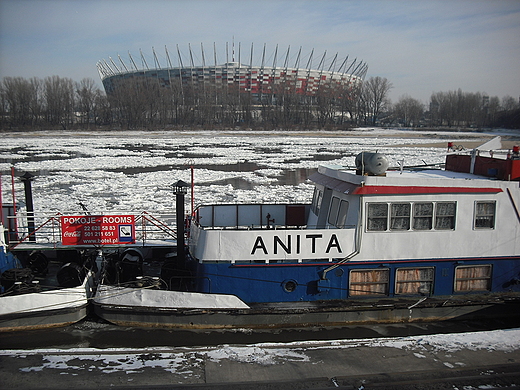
(267, 283)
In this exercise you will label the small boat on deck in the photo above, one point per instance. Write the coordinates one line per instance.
(376, 245)
(39, 292)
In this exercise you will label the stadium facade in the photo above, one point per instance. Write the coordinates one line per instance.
(232, 79)
(257, 79)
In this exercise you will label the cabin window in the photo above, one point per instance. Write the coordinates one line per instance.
(316, 201)
(369, 282)
(338, 212)
(417, 216)
(423, 216)
(377, 216)
(473, 278)
(400, 216)
(445, 216)
(333, 211)
(342, 215)
(414, 281)
(484, 215)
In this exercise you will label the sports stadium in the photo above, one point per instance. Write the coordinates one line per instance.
(236, 76)
(257, 78)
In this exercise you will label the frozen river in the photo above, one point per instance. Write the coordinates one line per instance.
(112, 172)
(134, 171)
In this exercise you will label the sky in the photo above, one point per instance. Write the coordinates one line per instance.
(421, 46)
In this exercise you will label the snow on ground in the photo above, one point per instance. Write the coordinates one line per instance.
(134, 171)
(186, 360)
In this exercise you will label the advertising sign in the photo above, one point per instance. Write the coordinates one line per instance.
(97, 229)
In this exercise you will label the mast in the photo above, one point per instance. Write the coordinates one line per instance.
(156, 60)
(143, 60)
(132, 60)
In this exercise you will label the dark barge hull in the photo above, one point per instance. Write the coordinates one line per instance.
(317, 315)
(42, 319)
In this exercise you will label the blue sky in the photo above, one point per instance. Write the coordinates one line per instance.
(419, 46)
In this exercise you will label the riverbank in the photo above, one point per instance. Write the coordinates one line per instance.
(482, 359)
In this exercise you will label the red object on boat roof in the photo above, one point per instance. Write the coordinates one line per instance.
(485, 166)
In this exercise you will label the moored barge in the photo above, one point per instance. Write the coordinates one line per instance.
(375, 245)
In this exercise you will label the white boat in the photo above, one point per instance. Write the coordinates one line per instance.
(50, 294)
(375, 245)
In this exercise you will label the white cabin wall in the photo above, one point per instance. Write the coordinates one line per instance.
(463, 241)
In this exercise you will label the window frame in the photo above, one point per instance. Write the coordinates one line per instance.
(482, 216)
(453, 217)
(396, 219)
(422, 217)
(377, 218)
(368, 293)
(317, 198)
(391, 218)
(488, 278)
(333, 210)
(402, 282)
(338, 211)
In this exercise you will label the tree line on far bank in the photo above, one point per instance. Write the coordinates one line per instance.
(141, 103)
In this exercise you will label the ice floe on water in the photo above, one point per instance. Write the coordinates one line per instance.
(134, 171)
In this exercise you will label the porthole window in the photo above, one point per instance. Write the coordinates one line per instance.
(289, 286)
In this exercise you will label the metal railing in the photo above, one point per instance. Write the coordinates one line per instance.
(47, 228)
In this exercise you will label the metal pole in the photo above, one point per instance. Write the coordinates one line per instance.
(14, 204)
(1, 204)
(27, 178)
(180, 189)
(179, 208)
(192, 191)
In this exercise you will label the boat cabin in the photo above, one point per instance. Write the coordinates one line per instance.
(420, 231)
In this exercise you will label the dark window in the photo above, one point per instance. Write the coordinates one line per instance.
(316, 201)
(333, 211)
(342, 215)
(400, 217)
(485, 215)
(423, 216)
(338, 212)
(445, 215)
(377, 216)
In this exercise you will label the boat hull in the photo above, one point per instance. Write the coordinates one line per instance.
(54, 308)
(320, 314)
(43, 319)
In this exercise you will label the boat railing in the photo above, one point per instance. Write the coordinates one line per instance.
(46, 229)
(252, 216)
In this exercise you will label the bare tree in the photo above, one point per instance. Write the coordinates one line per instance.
(59, 96)
(374, 96)
(20, 100)
(87, 92)
(408, 111)
(509, 103)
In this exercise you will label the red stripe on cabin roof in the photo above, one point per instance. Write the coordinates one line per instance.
(391, 190)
